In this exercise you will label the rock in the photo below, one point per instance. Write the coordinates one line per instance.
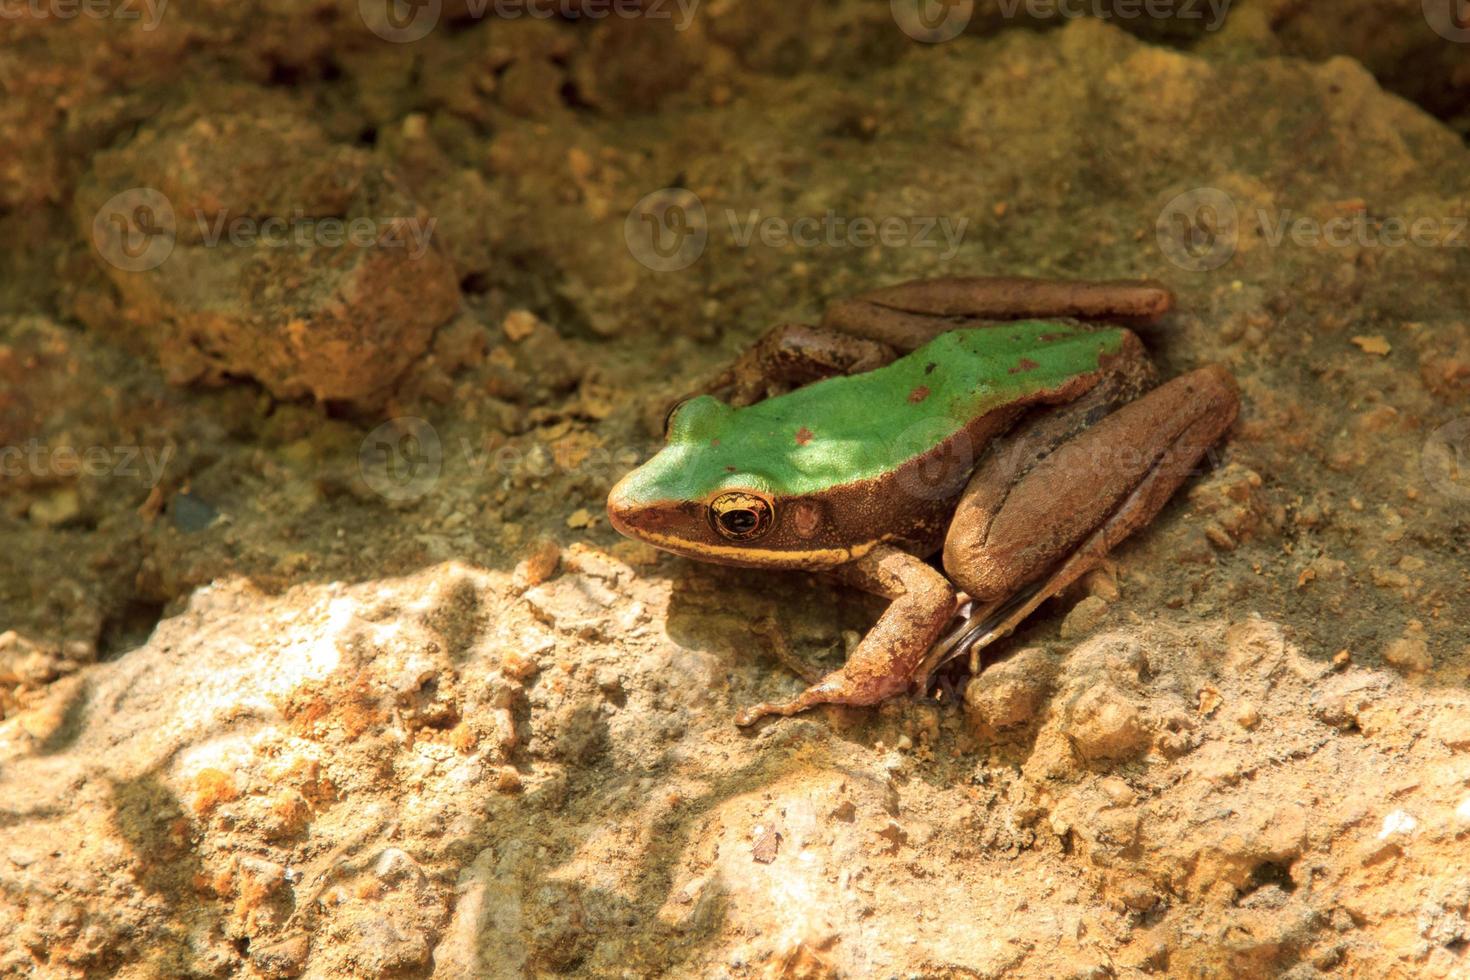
(539, 564)
(1084, 617)
(352, 702)
(1012, 691)
(249, 244)
(58, 509)
(558, 936)
(1103, 723)
(576, 603)
(283, 958)
(1410, 652)
(520, 324)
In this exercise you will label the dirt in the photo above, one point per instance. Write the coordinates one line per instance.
(318, 657)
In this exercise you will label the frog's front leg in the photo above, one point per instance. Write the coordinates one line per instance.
(794, 354)
(883, 664)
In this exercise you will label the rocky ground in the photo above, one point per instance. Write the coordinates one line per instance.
(318, 658)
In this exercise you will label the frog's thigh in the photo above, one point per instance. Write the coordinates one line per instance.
(884, 662)
(1013, 524)
(911, 314)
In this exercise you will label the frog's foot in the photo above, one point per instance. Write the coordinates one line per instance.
(911, 314)
(883, 664)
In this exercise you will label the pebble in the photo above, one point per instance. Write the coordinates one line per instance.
(61, 507)
(394, 864)
(538, 564)
(1399, 822)
(1102, 723)
(1118, 792)
(190, 514)
(519, 324)
(1410, 652)
(1010, 692)
(1084, 617)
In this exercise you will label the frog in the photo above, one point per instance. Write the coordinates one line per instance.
(965, 447)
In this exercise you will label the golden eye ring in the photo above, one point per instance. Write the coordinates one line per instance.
(741, 515)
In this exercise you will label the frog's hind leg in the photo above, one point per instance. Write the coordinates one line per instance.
(1017, 540)
(792, 355)
(883, 664)
(909, 315)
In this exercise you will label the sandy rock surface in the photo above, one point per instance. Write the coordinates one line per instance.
(318, 658)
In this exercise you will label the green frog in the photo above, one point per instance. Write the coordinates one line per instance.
(1012, 426)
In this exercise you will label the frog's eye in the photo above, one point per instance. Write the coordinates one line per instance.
(741, 516)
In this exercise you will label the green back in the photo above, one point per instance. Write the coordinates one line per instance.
(846, 429)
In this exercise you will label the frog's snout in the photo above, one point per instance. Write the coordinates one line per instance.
(619, 512)
(668, 524)
(632, 518)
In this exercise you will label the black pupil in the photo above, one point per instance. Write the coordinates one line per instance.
(739, 521)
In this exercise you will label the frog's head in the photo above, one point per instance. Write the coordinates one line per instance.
(713, 495)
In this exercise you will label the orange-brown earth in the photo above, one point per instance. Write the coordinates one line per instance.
(317, 657)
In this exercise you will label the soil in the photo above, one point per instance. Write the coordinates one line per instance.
(318, 657)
